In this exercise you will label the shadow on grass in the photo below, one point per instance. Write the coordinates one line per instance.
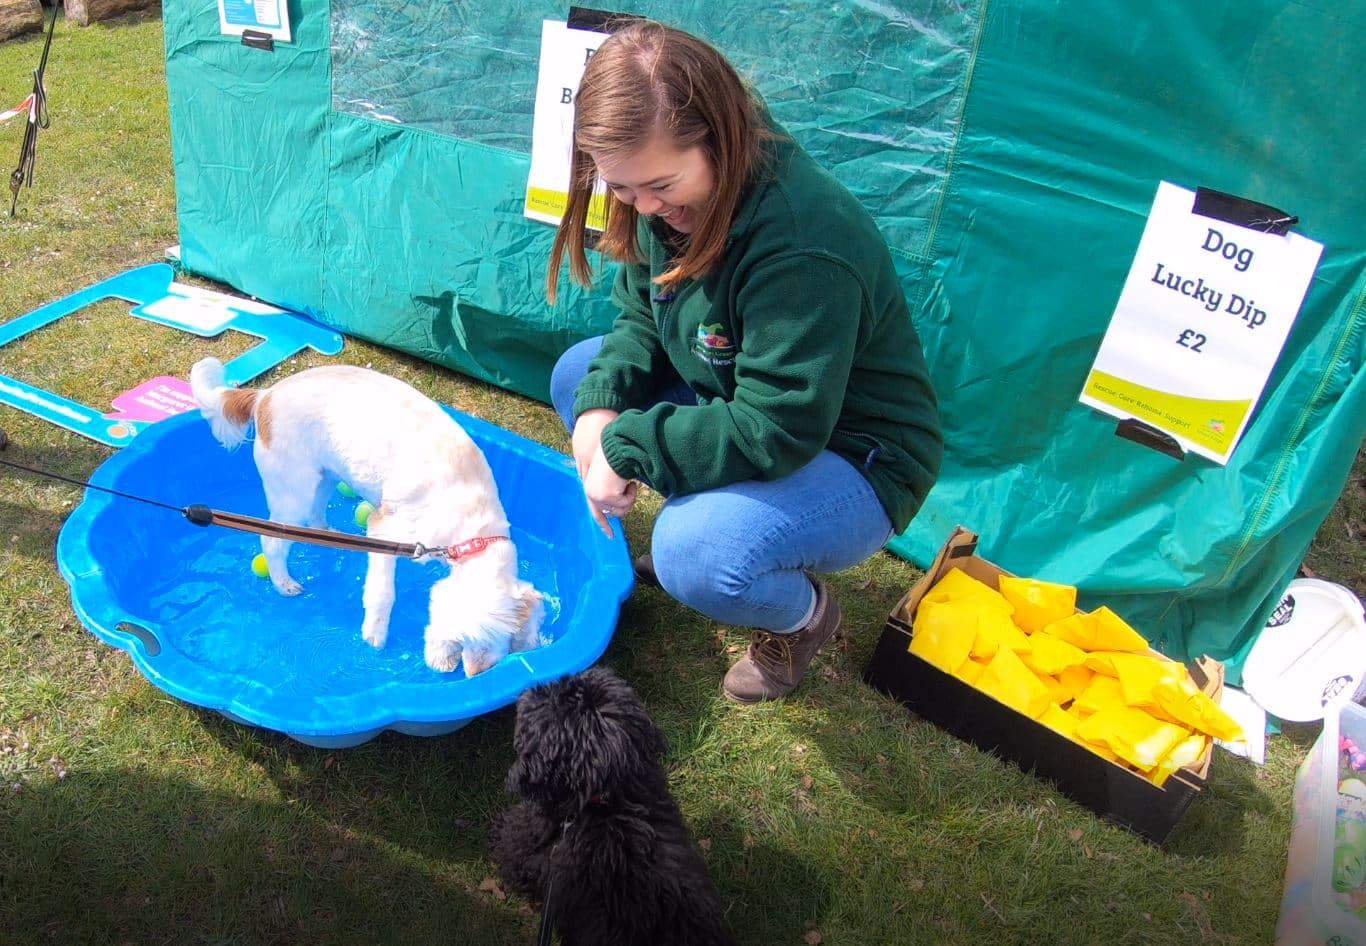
(31, 532)
(125, 856)
(30, 529)
(771, 894)
(435, 797)
(1216, 822)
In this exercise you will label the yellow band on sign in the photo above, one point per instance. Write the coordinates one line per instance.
(553, 203)
(1211, 424)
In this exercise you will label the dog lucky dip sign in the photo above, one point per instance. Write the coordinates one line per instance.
(1202, 319)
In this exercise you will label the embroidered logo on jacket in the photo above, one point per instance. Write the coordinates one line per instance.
(712, 346)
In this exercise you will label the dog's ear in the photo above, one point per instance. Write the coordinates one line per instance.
(537, 739)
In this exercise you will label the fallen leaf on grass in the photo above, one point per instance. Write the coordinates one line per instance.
(808, 782)
(813, 937)
(327, 763)
(1200, 916)
(491, 885)
(1075, 834)
(705, 844)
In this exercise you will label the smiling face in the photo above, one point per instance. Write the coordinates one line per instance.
(661, 180)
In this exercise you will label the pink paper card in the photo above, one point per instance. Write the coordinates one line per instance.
(154, 400)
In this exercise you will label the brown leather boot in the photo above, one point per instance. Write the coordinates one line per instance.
(776, 663)
(644, 566)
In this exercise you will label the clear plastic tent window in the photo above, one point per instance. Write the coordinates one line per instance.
(873, 90)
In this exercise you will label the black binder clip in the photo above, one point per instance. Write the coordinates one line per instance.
(1151, 437)
(1242, 212)
(258, 40)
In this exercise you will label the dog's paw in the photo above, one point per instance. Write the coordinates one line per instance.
(443, 656)
(289, 587)
(375, 634)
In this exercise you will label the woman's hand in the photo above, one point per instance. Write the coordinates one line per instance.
(608, 494)
(587, 437)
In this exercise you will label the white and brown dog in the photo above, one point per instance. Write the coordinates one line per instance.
(427, 480)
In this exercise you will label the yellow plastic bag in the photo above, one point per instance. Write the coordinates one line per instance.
(943, 637)
(1197, 711)
(1075, 680)
(1008, 680)
(1101, 630)
(1131, 734)
(1101, 693)
(1076, 718)
(1139, 675)
(1113, 633)
(1056, 691)
(1058, 720)
(1186, 752)
(970, 671)
(1051, 655)
(957, 585)
(994, 630)
(1038, 603)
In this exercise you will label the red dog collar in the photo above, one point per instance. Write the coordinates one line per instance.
(462, 551)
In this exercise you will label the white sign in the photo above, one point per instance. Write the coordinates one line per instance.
(201, 311)
(260, 16)
(564, 54)
(1202, 319)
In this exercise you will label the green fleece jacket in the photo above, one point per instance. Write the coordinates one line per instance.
(799, 341)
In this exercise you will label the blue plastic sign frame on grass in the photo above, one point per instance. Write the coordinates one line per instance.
(158, 298)
(184, 603)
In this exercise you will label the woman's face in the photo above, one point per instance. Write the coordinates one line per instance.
(662, 181)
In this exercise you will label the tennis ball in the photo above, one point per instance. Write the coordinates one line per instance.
(363, 512)
(259, 568)
(346, 491)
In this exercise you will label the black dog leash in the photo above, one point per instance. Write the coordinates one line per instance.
(37, 121)
(546, 936)
(202, 515)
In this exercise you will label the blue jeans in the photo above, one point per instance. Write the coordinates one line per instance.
(739, 553)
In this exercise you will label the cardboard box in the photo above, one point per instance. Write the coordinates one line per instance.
(1110, 790)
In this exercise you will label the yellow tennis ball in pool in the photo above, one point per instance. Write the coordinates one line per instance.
(259, 568)
(363, 512)
(346, 491)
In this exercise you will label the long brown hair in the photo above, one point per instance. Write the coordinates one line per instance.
(649, 76)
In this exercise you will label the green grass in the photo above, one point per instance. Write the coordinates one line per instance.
(128, 817)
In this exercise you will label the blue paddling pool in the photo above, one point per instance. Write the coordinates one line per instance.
(185, 604)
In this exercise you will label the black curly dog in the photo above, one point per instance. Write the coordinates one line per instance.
(597, 834)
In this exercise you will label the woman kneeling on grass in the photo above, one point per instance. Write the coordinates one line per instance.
(763, 375)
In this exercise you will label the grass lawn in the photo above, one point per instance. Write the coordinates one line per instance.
(128, 817)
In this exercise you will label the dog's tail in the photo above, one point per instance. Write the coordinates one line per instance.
(228, 410)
